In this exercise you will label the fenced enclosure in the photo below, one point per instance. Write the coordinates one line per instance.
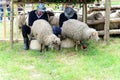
(5, 24)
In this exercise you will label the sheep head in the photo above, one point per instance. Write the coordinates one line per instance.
(55, 42)
(94, 36)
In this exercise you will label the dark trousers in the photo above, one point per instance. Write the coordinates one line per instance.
(56, 30)
(25, 31)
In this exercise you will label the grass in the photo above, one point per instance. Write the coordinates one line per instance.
(97, 62)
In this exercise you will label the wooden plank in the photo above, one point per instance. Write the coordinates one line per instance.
(112, 31)
(14, 40)
(95, 22)
(102, 9)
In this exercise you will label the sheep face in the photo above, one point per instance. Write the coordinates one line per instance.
(94, 36)
(98, 16)
(55, 42)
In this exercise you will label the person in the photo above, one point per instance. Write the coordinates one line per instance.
(1, 13)
(8, 10)
(68, 13)
(39, 13)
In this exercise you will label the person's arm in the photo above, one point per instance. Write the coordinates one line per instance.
(46, 16)
(74, 16)
(61, 20)
(30, 19)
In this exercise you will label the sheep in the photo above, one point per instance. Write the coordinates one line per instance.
(92, 16)
(54, 20)
(115, 15)
(95, 16)
(42, 31)
(78, 31)
(22, 20)
(115, 25)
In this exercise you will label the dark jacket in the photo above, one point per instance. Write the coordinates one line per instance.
(63, 18)
(33, 17)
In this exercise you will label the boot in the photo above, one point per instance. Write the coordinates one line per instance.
(26, 43)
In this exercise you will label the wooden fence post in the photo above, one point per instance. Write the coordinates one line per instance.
(84, 15)
(107, 21)
(4, 19)
(11, 25)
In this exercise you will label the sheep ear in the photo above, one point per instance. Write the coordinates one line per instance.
(94, 33)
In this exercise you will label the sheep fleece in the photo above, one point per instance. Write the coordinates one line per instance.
(41, 29)
(76, 30)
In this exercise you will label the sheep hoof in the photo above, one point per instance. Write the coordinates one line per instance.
(83, 46)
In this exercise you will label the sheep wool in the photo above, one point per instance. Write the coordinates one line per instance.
(42, 31)
(54, 20)
(78, 31)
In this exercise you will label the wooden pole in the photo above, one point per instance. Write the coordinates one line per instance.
(4, 19)
(84, 16)
(17, 30)
(107, 21)
(111, 32)
(11, 25)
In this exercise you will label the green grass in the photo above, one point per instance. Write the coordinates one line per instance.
(117, 2)
(97, 62)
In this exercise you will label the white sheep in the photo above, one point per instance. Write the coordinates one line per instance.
(54, 20)
(115, 15)
(78, 31)
(42, 31)
(95, 16)
(115, 25)
(22, 20)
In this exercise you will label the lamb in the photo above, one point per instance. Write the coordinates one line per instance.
(42, 31)
(78, 31)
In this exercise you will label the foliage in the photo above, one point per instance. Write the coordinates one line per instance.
(58, 1)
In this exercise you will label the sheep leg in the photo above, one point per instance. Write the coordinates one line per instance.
(83, 46)
(59, 47)
(76, 46)
(41, 48)
(46, 48)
